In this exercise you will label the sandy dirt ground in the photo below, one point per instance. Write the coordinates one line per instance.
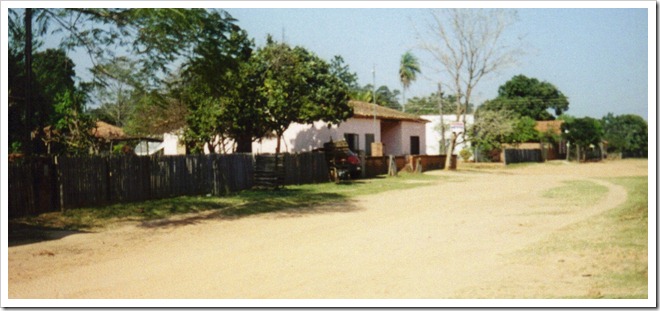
(452, 239)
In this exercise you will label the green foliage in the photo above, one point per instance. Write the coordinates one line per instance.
(491, 129)
(529, 97)
(341, 71)
(295, 85)
(626, 133)
(408, 69)
(523, 131)
(71, 127)
(582, 131)
(465, 154)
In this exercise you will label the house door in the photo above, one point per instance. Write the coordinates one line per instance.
(414, 144)
(353, 141)
(368, 139)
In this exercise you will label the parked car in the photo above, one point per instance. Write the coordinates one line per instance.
(343, 163)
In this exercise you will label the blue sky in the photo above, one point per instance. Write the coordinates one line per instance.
(597, 57)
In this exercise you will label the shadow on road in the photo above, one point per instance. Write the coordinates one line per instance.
(22, 234)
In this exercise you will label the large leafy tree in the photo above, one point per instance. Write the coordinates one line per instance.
(408, 70)
(626, 133)
(154, 38)
(216, 88)
(529, 97)
(295, 85)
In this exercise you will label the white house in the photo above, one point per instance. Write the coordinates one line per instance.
(434, 130)
(400, 133)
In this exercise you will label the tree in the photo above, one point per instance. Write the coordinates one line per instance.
(298, 86)
(529, 97)
(627, 134)
(218, 86)
(490, 129)
(155, 37)
(408, 70)
(469, 44)
(582, 132)
(341, 71)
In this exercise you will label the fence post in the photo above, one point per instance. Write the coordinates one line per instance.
(60, 186)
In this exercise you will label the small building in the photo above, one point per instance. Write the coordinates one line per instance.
(400, 133)
(434, 133)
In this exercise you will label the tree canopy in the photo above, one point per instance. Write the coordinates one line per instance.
(626, 133)
(529, 97)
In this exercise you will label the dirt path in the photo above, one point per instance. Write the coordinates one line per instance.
(442, 241)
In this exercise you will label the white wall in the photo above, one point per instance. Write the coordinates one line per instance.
(306, 137)
(433, 136)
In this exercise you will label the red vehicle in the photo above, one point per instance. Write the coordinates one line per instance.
(343, 163)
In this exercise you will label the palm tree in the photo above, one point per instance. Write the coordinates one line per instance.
(408, 71)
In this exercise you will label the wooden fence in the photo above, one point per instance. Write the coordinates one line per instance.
(522, 155)
(40, 185)
(375, 166)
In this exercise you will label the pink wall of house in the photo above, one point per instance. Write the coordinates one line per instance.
(306, 137)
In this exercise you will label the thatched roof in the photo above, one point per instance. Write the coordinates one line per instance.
(366, 110)
(108, 131)
(553, 126)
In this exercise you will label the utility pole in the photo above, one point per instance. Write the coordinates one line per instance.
(442, 122)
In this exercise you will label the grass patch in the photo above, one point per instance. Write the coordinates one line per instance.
(299, 199)
(612, 248)
(577, 193)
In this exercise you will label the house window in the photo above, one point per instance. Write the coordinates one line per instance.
(414, 144)
(353, 141)
(368, 139)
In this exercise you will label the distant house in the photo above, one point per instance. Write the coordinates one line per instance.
(434, 133)
(400, 133)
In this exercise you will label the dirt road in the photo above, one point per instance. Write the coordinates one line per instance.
(448, 240)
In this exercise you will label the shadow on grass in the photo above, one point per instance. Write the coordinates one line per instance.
(281, 203)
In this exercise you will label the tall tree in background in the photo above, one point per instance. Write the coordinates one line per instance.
(408, 70)
(529, 97)
(627, 134)
(468, 44)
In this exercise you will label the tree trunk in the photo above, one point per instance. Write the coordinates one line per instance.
(244, 144)
(452, 144)
(279, 139)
